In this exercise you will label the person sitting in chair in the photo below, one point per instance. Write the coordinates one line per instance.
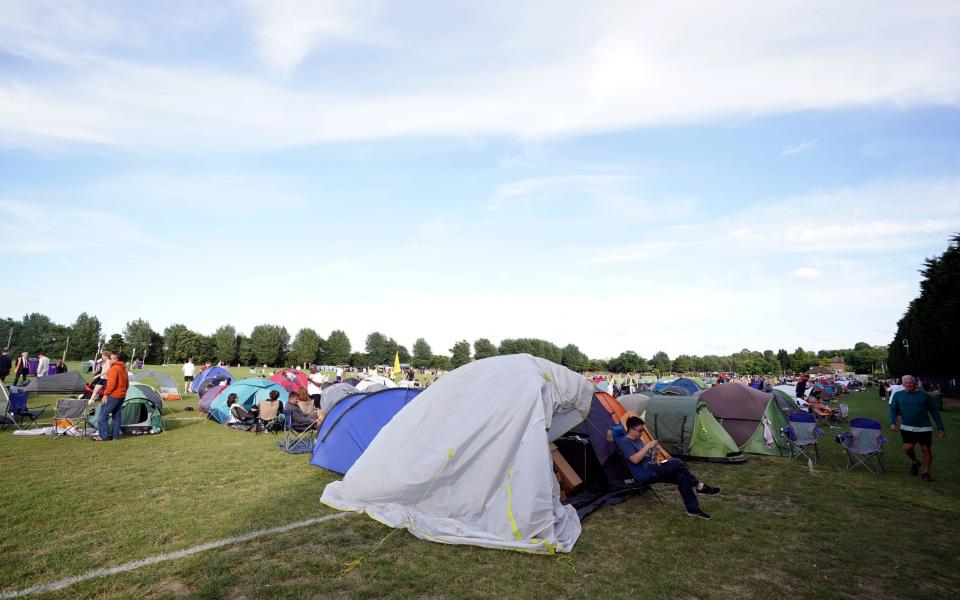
(299, 420)
(271, 410)
(642, 460)
(239, 417)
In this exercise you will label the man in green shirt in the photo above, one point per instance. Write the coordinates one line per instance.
(910, 411)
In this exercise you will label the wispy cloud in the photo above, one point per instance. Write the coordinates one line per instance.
(806, 274)
(619, 67)
(798, 148)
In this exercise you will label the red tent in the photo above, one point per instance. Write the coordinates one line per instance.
(290, 380)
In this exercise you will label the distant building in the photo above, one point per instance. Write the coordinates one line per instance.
(837, 364)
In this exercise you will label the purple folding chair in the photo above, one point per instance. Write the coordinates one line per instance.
(863, 445)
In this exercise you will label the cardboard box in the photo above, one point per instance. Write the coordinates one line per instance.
(568, 478)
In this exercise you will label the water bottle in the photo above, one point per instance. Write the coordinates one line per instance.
(810, 465)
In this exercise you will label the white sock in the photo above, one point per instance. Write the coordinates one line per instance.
(700, 487)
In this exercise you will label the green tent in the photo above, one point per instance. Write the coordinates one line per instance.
(751, 417)
(687, 429)
(787, 402)
(141, 413)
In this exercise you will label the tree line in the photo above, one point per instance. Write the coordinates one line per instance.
(925, 342)
(272, 345)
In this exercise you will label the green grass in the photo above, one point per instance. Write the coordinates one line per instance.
(69, 506)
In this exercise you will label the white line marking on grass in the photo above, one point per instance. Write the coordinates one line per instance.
(159, 558)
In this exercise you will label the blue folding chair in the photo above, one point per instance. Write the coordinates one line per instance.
(863, 445)
(21, 416)
(802, 436)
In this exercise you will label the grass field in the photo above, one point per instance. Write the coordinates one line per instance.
(69, 506)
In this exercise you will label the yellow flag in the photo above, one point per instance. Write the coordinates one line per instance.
(396, 364)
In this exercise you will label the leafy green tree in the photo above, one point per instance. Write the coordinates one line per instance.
(225, 343)
(460, 354)
(598, 365)
(380, 348)
(359, 360)
(533, 346)
(403, 353)
(483, 348)
(141, 341)
(783, 360)
(572, 358)
(337, 348)
(84, 337)
(801, 360)
(422, 354)
(172, 336)
(116, 344)
(683, 364)
(305, 347)
(36, 333)
(245, 350)
(270, 344)
(441, 362)
(661, 362)
(627, 362)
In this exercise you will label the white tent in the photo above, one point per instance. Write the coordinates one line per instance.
(792, 392)
(468, 461)
(373, 380)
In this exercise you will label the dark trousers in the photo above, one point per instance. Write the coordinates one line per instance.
(675, 471)
(25, 373)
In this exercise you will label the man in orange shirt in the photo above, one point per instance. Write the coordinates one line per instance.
(112, 402)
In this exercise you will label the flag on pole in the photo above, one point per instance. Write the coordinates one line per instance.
(396, 365)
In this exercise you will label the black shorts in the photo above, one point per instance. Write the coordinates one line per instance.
(924, 438)
(99, 381)
(315, 397)
(188, 377)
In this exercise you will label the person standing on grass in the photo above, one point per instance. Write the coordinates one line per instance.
(112, 402)
(642, 460)
(314, 381)
(22, 368)
(910, 411)
(5, 365)
(188, 370)
(43, 365)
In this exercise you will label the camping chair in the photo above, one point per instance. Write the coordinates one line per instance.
(863, 443)
(843, 413)
(270, 418)
(71, 417)
(245, 419)
(617, 431)
(18, 412)
(801, 436)
(296, 442)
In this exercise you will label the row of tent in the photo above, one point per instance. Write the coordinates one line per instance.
(468, 459)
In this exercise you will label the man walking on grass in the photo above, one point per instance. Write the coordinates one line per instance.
(112, 402)
(910, 411)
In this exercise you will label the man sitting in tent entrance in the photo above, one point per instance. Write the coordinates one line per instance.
(642, 460)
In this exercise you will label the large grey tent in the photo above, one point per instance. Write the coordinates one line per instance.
(70, 382)
(167, 386)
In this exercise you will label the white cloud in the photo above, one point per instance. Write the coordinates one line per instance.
(806, 274)
(798, 148)
(621, 65)
(286, 30)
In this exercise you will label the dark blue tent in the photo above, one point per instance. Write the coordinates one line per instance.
(661, 385)
(211, 374)
(353, 423)
(689, 385)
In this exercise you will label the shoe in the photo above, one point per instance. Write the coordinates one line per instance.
(699, 514)
(708, 490)
(96, 438)
(915, 469)
(926, 477)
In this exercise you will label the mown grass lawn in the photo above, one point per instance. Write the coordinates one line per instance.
(71, 505)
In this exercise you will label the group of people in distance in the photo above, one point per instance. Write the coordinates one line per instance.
(21, 367)
(270, 413)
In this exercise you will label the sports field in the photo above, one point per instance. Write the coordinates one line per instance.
(70, 506)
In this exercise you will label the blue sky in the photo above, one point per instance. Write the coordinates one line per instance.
(693, 177)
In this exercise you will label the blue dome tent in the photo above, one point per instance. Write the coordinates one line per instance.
(353, 423)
